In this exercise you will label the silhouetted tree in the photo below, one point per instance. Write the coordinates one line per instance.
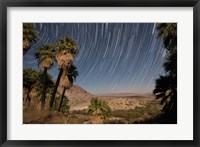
(170, 64)
(166, 86)
(168, 33)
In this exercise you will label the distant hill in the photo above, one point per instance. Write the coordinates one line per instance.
(78, 97)
(126, 95)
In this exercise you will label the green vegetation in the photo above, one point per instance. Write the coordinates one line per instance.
(30, 36)
(56, 103)
(99, 109)
(30, 77)
(137, 114)
(63, 107)
(33, 79)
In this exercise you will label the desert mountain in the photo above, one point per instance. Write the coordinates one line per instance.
(78, 97)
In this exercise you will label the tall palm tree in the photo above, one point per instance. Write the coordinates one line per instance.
(168, 32)
(99, 109)
(30, 36)
(30, 77)
(66, 51)
(33, 84)
(67, 80)
(38, 86)
(45, 57)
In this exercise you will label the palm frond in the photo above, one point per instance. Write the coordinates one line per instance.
(45, 55)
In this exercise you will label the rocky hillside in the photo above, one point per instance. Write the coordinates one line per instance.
(78, 97)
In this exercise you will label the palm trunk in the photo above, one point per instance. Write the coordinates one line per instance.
(28, 99)
(62, 98)
(55, 89)
(44, 89)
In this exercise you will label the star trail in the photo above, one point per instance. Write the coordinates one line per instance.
(113, 57)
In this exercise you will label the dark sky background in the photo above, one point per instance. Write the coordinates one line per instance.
(113, 57)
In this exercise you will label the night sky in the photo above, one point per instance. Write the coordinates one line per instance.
(113, 57)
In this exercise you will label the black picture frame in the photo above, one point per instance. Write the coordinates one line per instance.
(4, 4)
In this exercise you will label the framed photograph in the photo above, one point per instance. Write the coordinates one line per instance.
(86, 73)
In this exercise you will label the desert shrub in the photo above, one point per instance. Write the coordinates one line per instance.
(65, 106)
(138, 114)
(127, 114)
(99, 108)
(56, 103)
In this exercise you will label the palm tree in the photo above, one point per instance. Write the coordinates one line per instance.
(67, 80)
(166, 86)
(33, 84)
(30, 36)
(99, 109)
(170, 64)
(66, 51)
(168, 32)
(166, 90)
(38, 86)
(30, 77)
(45, 57)
(68, 45)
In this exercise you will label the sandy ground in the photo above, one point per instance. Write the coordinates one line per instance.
(119, 102)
